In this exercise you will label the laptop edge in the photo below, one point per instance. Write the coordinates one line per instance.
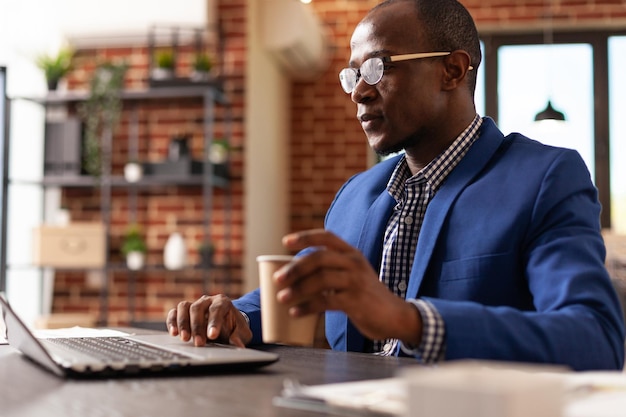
(217, 358)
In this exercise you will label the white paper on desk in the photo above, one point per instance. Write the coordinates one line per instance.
(378, 397)
(595, 394)
(586, 394)
(76, 331)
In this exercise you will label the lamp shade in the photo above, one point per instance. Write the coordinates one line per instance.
(549, 113)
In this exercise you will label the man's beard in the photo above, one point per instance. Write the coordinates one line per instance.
(407, 142)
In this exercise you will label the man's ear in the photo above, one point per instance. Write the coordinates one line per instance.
(457, 64)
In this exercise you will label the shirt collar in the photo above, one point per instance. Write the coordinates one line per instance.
(438, 169)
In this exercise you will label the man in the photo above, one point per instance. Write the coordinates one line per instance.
(470, 245)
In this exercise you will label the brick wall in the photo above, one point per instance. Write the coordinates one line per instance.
(162, 210)
(328, 146)
(328, 143)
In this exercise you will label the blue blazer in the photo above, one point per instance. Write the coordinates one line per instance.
(510, 254)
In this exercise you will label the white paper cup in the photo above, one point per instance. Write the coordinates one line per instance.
(278, 326)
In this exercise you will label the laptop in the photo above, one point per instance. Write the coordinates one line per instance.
(124, 354)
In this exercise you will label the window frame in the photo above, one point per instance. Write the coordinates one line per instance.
(599, 42)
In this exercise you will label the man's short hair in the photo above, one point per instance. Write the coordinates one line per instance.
(448, 26)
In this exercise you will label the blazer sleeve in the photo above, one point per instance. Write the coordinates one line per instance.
(250, 304)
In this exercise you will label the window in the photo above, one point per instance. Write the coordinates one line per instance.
(530, 75)
(521, 74)
(617, 131)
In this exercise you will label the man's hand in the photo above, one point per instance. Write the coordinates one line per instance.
(337, 276)
(211, 318)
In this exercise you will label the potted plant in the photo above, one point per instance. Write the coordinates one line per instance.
(206, 250)
(101, 111)
(201, 65)
(134, 247)
(164, 65)
(56, 66)
(218, 153)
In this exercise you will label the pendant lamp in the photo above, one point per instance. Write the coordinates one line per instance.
(549, 113)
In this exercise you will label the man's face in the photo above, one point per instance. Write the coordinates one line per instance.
(401, 110)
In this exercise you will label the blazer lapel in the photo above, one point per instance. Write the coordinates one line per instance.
(370, 242)
(373, 232)
(474, 161)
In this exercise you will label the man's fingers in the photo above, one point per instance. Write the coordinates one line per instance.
(182, 320)
(209, 318)
(198, 316)
(235, 340)
(170, 322)
(315, 237)
(217, 312)
(327, 300)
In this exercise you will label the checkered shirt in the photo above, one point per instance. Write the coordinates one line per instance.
(412, 195)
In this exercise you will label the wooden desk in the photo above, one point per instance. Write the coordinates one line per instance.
(27, 390)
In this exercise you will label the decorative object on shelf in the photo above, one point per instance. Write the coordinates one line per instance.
(62, 217)
(77, 245)
(165, 65)
(101, 112)
(178, 148)
(56, 66)
(133, 171)
(62, 147)
(206, 250)
(175, 252)
(202, 65)
(192, 48)
(220, 148)
(134, 247)
(179, 162)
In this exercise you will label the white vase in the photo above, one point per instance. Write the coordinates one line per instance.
(62, 217)
(175, 252)
(135, 260)
(133, 171)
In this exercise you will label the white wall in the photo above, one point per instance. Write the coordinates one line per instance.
(266, 179)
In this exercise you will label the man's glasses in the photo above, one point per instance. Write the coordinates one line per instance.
(372, 70)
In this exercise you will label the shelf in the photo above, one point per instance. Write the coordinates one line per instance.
(63, 170)
(121, 267)
(191, 89)
(120, 182)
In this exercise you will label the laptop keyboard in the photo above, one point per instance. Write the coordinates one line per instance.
(116, 349)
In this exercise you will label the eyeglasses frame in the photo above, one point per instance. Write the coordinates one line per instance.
(394, 58)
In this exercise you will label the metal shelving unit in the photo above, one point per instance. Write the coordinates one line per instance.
(211, 94)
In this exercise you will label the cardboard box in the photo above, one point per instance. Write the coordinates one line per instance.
(77, 245)
(65, 320)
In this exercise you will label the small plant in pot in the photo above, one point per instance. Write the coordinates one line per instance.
(164, 64)
(219, 151)
(56, 66)
(134, 247)
(202, 65)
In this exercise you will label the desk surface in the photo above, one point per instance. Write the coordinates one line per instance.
(27, 390)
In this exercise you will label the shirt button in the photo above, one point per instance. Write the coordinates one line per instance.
(408, 220)
(402, 286)
(387, 348)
